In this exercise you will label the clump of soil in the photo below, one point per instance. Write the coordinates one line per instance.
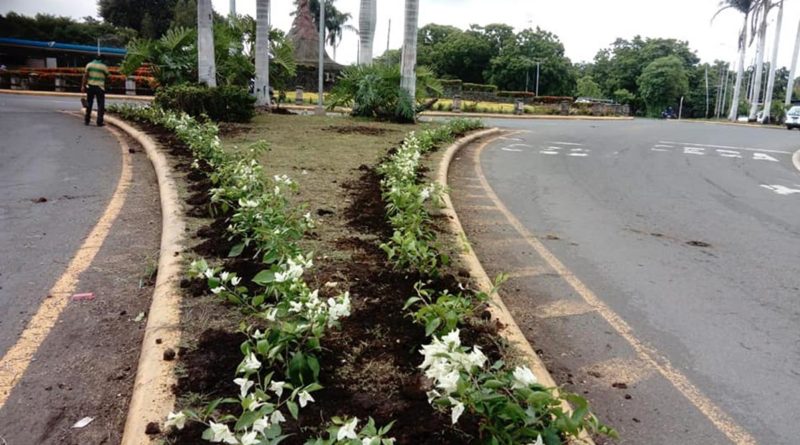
(357, 129)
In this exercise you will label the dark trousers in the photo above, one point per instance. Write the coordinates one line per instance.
(91, 93)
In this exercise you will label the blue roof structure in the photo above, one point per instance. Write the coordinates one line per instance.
(55, 46)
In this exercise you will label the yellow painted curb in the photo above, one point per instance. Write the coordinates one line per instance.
(152, 397)
(60, 94)
(500, 312)
(526, 116)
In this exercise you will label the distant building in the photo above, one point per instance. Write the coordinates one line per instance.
(22, 53)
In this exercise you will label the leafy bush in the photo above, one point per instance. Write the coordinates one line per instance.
(516, 94)
(480, 87)
(225, 103)
(374, 91)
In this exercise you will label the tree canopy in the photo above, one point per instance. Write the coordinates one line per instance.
(150, 18)
(48, 27)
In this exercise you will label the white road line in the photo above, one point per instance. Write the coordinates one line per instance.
(554, 148)
(764, 150)
(504, 138)
(511, 149)
(694, 151)
(664, 146)
(780, 189)
(581, 155)
(564, 143)
(577, 149)
(521, 145)
(763, 157)
(547, 152)
(660, 149)
(729, 154)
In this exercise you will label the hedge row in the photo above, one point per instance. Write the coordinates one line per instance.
(221, 104)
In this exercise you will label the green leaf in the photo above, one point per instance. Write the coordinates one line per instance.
(236, 250)
(264, 277)
(258, 300)
(431, 326)
(294, 410)
(411, 301)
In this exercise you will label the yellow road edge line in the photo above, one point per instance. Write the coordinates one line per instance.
(17, 359)
(720, 419)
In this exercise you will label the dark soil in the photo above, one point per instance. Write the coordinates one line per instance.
(358, 129)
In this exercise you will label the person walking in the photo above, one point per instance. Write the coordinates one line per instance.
(94, 85)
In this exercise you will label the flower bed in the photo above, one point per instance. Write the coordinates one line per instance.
(296, 341)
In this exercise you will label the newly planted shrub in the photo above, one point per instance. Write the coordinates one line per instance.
(222, 104)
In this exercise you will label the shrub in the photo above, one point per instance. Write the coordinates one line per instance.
(515, 94)
(480, 88)
(225, 103)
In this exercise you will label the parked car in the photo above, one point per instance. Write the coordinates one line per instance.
(793, 118)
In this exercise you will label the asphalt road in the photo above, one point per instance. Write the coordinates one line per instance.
(56, 177)
(690, 233)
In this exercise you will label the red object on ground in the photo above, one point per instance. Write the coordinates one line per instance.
(85, 296)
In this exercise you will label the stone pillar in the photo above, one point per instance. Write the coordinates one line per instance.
(15, 83)
(519, 107)
(457, 103)
(130, 86)
(564, 108)
(298, 95)
(60, 84)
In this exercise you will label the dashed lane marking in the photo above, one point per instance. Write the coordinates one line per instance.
(763, 157)
(564, 143)
(781, 189)
(729, 153)
(516, 150)
(648, 354)
(694, 151)
(16, 361)
(763, 150)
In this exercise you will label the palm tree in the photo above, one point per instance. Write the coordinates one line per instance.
(772, 66)
(744, 7)
(408, 61)
(261, 88)
(792, 69)
(366, 30)
(764, 6)
(206, 68)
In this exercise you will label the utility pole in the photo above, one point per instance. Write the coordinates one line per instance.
(706, 91)
(725, 88)
(389, 35)
(790, 85)
(538, 62)
(320, 100)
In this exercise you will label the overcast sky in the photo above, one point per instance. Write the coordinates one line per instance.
(584, 26)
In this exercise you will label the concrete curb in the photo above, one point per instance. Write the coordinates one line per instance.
(500, 312)
(796, 160)
(526, 116)
(729, 124)
(152, 397)
(60, 94)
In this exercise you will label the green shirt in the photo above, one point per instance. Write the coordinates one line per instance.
(97, 72)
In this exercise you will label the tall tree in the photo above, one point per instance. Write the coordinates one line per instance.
(662, 83)
(792, 69)
(262, 53)
(206, 66)
(773, 65)
(367, 18)
(150, 18)
(587, 87)
(744, 7)
(408, 63)
(761, 11)
(335, 21)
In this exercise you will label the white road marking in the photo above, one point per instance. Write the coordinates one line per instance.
(576, 149)
(728, 147)
(548, 152)
(565, 143)
(554, 148)
(663, 146)
(579, 154)
(694, 151)
(521, 145)
(660, 149)
(763, 157)
(781, 189)
(510, 149)
(729, 154)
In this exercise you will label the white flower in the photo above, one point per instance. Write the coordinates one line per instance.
(244, 386)
(261, 424)
(258, 335)
(348, 430)
(277, 417)
(523, 377)
(178, 420)
(448, 382)
(476, 358)
(209, 273)
(250, 438)
(538, 441)
(222, 433)
(272, 313)
(458, 410)
(217, 290)
(224, 276)
(295, 306)
(305, 397)
(277, 388)
(250, 363)
(452, 339)
(236, 280)
(425, 193)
